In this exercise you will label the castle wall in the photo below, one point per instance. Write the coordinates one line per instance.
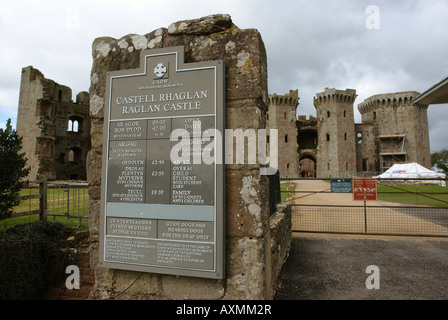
(282, 116)
(307, 138)
(393, 129)
(336, 154)
(367, 148)
(45, 108)
(402, 128)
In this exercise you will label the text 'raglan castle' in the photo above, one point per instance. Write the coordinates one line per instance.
(394, 129)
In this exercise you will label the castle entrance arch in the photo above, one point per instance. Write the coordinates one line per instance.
(307, 165)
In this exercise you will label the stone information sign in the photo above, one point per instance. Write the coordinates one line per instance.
(162, 207)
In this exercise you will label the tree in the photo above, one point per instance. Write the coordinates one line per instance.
(440, 160)
(12, 170)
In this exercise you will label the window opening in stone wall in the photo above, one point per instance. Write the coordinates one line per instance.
(74, 124)
(328, 137)
(60, 95)
(267, 139)
(287, 167)
(74, 155)
(71, 155)
(345, 136)
(328, 114)
(364, 164)
(345, 113)
(286, 138)
(346, 166)
(359, 137)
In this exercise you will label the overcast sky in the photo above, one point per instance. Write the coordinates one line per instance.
(396, 45)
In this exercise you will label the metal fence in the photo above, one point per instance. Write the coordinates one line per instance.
(321, 211)
(374, 220)
(55, 199)
(70, 200)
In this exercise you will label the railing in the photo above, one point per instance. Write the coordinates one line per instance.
(55, 199)
(68, 199)
(409, 207)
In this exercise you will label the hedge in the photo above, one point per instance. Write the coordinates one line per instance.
(25, 254)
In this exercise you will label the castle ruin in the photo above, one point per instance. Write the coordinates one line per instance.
(394, 129)
(55, 130)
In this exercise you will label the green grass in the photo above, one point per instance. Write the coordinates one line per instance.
(287, 196)
(408, 194)
(12, 222)
(57, 204)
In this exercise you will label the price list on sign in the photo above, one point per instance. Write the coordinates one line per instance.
(158, 213)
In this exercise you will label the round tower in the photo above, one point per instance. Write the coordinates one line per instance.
(282, 116)
(336, 151)
(402, 126)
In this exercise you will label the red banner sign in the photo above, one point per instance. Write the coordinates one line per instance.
(364, 189)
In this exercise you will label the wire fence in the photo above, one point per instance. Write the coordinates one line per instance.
(54, 199)
(408, 208)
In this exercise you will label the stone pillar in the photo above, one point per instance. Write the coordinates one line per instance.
(247, 209)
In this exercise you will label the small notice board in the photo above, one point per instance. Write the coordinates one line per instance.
(364, 189)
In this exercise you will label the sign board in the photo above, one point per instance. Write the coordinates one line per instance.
(364, 189)
(158, 213)
(341, 186)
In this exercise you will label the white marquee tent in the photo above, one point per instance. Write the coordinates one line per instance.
(409, 171)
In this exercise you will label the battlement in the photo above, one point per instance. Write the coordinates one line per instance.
(306, 118)
(388, 100)
(335, 96)
(290, 99)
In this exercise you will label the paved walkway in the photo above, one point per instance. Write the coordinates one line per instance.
(325, 267)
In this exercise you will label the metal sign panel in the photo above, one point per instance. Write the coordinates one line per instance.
(341, 186)
(158, 213)
(364, 189)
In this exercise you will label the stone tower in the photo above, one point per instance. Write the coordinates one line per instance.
(336, 154)
(282, 116)
(55, 130)
(402, 128)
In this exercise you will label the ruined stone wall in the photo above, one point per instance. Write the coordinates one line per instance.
(282, 116)
(402, 127)
(336, 154)
(248, 240)
(45, 108)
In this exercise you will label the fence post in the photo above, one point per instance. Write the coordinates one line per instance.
(365, 217)
(43, 198)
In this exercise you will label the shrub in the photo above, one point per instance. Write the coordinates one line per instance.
(25, 253)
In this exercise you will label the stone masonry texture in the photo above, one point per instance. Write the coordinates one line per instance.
(248, 243)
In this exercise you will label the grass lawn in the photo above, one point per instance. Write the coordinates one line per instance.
(284, 188)
(407, 193)
(57, 204)
(11, 222)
